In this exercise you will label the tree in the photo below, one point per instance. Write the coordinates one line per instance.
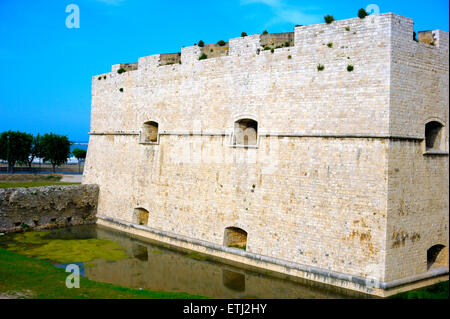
(80, 155)
(56, 149)
(36, 149)
(15, 148)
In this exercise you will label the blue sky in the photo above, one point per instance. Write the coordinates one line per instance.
(46, 68)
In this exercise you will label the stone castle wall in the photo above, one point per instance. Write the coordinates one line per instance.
(316, 189)
(47, 207)
(417, 217)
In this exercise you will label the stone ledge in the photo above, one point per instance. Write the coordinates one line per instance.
(346, 281)
(275, 134)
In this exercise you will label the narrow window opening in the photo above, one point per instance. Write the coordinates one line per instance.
(245, 132)
(437, 256)
(141, 216)
(235, 237)
(140, 252)
(150, 132)
(433, 136)
(233, 280)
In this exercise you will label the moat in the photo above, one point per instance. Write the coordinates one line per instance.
(118, 258)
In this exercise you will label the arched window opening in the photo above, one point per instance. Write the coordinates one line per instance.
(235, 237)
(141, 216)
(150, 132)
(245, 132)
(233, 280)
(437, 256)
(433, 136)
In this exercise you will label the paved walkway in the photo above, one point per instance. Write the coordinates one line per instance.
(71, 178)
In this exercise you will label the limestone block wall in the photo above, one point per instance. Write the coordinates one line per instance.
(191, 94)
(311, 212)
(419, 82)
(170, 58)
(274, 40)
(319, 188)
(215, 50)
(49, 206)
(417, 217)
(418, 182)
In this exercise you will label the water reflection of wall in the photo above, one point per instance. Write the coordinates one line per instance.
(155, 268)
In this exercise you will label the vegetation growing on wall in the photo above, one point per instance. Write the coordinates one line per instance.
(328, 19)
(362, 13)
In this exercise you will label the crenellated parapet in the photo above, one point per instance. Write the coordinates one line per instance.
(351, 31)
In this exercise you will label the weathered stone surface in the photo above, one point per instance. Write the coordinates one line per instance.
(49, 206)
(339, 178)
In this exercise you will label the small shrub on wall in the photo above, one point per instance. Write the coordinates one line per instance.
(329, 19)
(362, 13)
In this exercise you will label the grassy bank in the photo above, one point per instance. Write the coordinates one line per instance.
(33, 184)
(30, 180)
(35, 278)
(437, 291)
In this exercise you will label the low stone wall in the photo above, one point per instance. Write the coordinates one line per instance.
(47, 207)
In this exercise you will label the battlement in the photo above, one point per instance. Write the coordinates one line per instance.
(386, 25)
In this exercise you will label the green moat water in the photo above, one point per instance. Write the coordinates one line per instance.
(114, 257)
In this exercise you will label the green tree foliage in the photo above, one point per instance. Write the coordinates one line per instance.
(80, 155)
(15, 148)
(36, 149)
(56, 149)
